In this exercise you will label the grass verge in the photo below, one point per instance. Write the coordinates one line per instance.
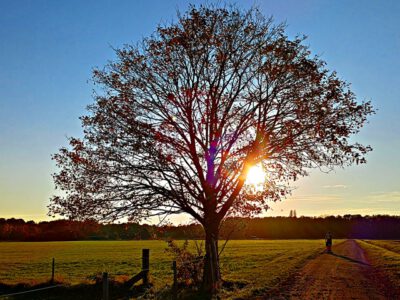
(384, 260)
(249, 268)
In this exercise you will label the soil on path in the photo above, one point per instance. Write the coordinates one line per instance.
(343, 274)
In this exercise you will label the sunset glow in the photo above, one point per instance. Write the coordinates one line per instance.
(256, 175)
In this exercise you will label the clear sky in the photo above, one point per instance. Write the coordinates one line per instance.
(49, 48)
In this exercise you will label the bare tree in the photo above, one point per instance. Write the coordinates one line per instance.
(181, 117)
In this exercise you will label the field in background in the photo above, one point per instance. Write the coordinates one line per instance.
(256, 265)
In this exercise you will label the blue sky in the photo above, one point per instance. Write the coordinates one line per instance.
(49, 48)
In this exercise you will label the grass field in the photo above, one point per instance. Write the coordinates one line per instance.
(390, 245)
(257, 264)
(386, 256)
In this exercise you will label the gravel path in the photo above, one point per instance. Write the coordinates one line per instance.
(344, 274)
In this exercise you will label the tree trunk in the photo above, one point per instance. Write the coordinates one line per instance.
(211, 272)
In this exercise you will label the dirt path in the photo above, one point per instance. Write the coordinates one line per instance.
(344, 274)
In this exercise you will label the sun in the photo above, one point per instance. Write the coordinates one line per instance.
(255, 176)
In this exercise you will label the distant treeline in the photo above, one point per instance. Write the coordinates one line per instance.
(347, 226)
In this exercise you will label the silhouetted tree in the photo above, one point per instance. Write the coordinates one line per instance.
(183, 115)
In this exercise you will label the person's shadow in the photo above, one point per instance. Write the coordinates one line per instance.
(349, 259)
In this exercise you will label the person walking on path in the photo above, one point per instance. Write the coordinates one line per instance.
(328, 242)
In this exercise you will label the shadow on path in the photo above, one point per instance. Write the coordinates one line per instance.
(350, 259)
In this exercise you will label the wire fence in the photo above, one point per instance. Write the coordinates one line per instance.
(4, 296)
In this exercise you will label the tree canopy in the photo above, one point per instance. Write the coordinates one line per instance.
(184, 113)
(180, 117)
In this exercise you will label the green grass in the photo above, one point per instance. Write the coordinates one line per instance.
(264, 264)
(78, 261)
(391, 245)
(257, 264)
(386, 256)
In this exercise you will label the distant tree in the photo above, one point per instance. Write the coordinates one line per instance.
(291, 214)
(181, 117)
(294, 214)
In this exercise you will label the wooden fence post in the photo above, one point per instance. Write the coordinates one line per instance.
(52, 272)
(145, 265)
(105, 286)
(175, 284)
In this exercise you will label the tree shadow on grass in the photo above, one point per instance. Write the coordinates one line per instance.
(117, 290)
(350, 259)
(182, 291)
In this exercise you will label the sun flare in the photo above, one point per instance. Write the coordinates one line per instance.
(256, 175)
